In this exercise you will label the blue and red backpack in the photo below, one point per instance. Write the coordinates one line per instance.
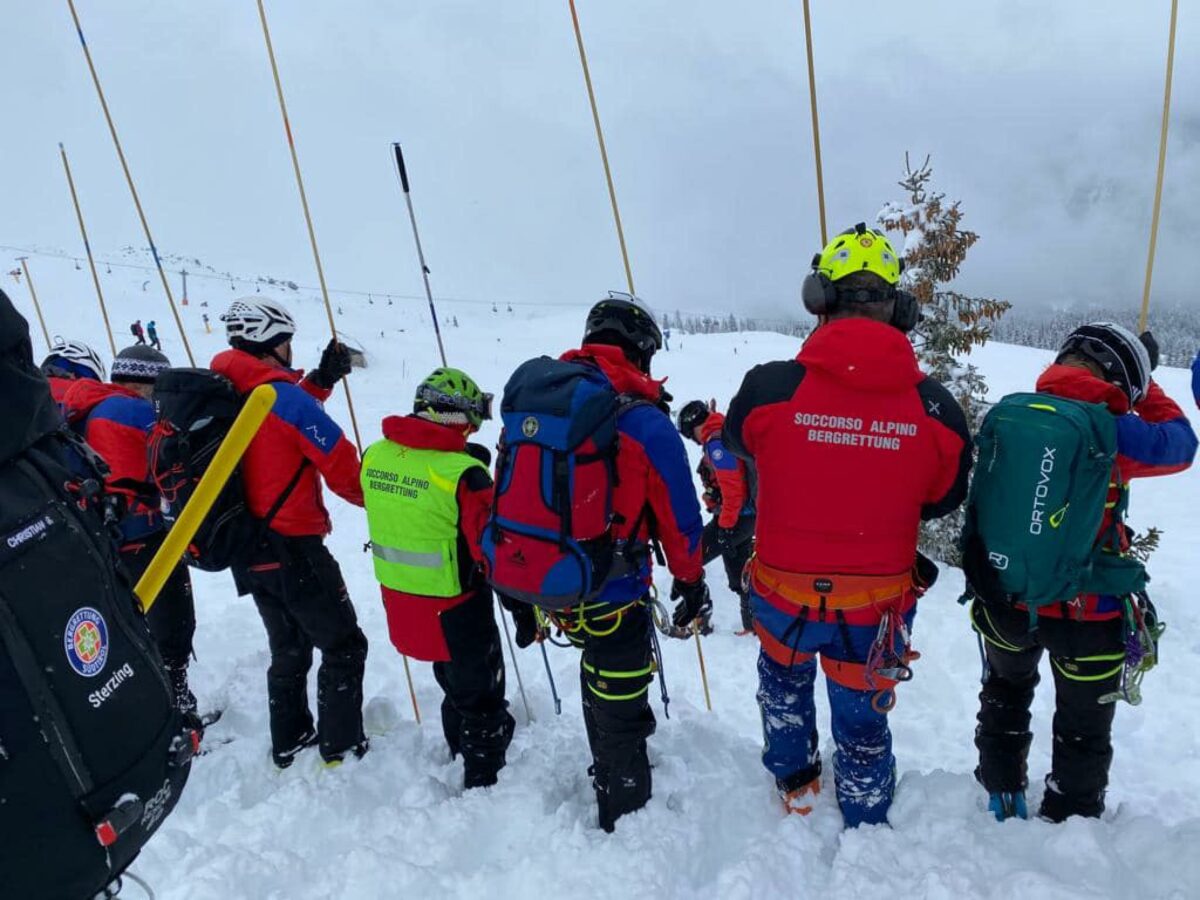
(550, 541)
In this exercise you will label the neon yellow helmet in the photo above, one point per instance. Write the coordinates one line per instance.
(859, 249)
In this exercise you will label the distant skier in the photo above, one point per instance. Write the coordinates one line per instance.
(853, 447)
(136, 330)
(296, 583)
(728, 497)
(1088, 636)
(116, 419)
(68, 361)
(426, 545)
(207, 326)
(152, 335)
(667, 339)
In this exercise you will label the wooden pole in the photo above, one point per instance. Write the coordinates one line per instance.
(36, 306)
(88, 247)
(612, 193)
(816, 126)
(312, 234)
(162, 275)
(1162, 162)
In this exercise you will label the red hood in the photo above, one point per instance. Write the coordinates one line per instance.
(84, 395)
(864, 354)
(248, 372)
(624, 376)
(712, 426)
(421, 434)
(1074, 383)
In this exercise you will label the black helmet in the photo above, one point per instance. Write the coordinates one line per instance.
(622, 319)
(692, 416)
(1117, 351)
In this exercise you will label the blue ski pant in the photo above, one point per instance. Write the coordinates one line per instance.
(864, 767)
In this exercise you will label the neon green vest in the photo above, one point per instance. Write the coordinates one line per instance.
(412, 515)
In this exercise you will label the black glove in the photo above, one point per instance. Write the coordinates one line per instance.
(481, 453)
(334, 365)
(1151, 346)
(924, 573)
(525, 619)
(695, 603)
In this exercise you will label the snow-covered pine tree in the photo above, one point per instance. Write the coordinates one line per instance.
(934, 247)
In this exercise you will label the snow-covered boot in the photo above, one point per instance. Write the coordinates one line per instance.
(185, 700)
(284, 758)
(1006, 804)
(799, 801)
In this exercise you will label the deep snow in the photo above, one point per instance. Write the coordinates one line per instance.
(397, 823)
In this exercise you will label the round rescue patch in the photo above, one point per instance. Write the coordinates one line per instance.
(529, 427)
(85, 641)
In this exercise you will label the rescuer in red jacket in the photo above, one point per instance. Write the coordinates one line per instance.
(115, 419)
(728, 496)
(1086, 638)
(296, 583)
(853, 446)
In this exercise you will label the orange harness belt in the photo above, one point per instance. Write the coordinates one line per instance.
(828, 591)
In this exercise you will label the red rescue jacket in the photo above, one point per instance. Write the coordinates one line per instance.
(414, 621)
(297, 429)
(116, 422)
(723, 474)
(654, 493)
(853, 447)
(1154, 439)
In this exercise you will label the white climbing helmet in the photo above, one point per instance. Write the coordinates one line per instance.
(265, 323)
(73, 359)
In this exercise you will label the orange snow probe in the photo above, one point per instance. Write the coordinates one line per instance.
(254, 412)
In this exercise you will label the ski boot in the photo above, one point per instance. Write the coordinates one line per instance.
(1007, 804)
(284, 758)
(799, 801)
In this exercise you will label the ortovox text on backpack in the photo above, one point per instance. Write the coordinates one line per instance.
(1037, 502)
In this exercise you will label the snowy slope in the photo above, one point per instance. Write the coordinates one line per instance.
(398, 824)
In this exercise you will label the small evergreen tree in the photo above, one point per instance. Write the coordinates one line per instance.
(934, 247)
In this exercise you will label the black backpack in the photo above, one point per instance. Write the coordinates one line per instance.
(93, 751)
(195, 409)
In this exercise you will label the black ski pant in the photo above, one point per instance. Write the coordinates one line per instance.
(616, 671)
(1087, 659)
(735, 556)
(172, 618)
(303, 603)
(475, 717)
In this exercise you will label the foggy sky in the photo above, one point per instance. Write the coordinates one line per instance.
(1043, 118)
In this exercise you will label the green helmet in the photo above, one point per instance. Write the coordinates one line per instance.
(450, 391)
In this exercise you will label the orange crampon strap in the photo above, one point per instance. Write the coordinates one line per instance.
(827, 591)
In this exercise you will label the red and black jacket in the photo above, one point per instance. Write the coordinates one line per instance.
(853, 446)
(296, 430)
(1154, 439)
(414, 621)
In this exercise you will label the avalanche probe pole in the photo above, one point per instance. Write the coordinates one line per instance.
(703, 668)
(816, 128)
(112, 129)
(424, 268)
(88, 247)
(37, 306)
(1162, 162)
(312, 235)
(403, 172)
(612, 193)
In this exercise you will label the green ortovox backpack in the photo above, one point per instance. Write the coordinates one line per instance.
(1037, 502)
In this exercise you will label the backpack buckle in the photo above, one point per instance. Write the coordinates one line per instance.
(118, 820)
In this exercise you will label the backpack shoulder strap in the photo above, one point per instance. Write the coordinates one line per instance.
(283, 496)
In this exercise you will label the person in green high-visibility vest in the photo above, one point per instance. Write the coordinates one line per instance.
(428, 494)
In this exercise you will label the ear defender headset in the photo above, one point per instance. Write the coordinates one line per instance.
(859, 249)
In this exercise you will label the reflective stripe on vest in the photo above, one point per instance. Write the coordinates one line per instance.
(411, 501)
